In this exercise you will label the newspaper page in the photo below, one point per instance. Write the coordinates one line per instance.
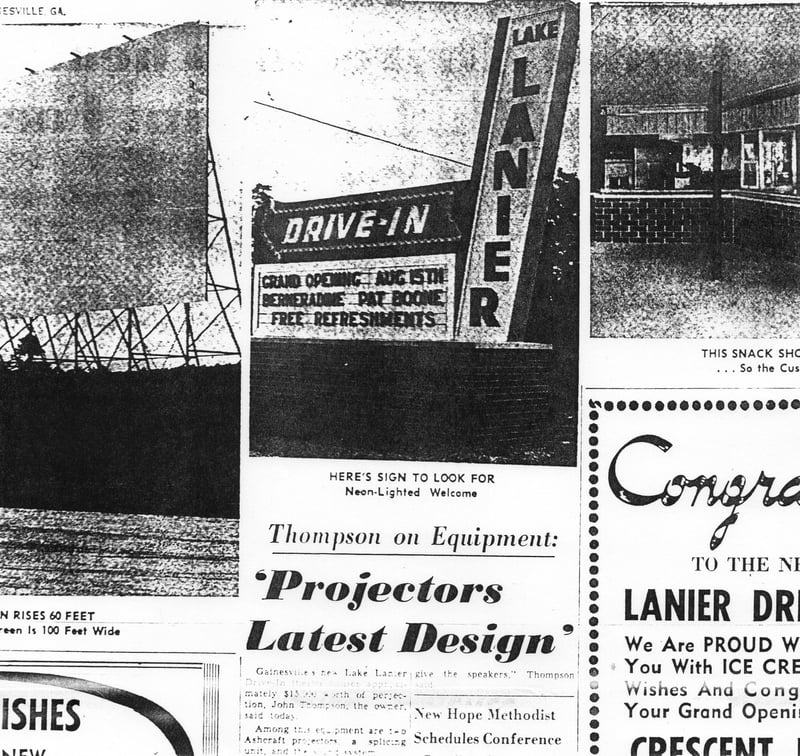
(385, 377)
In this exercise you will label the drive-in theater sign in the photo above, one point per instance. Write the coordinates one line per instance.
(369, 280)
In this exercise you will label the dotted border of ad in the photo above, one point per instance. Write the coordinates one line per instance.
(594, 514)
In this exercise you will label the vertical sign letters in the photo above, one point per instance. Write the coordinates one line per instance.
(521, 147)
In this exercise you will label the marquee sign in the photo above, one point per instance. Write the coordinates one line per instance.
(517, 151)
(400, 298)
(382, 224)
(483, 237)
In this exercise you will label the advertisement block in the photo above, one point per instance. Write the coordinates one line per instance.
(692, 567)
(75, 707)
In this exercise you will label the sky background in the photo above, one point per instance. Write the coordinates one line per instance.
(413, 73)
(665, 53)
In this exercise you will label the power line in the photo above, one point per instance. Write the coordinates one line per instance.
(361, 133)
(601, 21)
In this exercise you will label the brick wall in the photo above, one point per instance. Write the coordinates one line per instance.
(766, 225)
(397, 399)
(654, 219)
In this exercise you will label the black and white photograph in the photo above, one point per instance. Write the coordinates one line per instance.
(119, 301)
(695, 215)
(415, 231)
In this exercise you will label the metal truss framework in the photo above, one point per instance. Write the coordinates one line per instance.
(142, 338)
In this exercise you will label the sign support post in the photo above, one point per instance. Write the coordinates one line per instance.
(715, 125)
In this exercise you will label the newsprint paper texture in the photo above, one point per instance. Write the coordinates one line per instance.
(399, 376)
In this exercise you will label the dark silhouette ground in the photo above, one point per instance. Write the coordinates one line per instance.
(159, 442)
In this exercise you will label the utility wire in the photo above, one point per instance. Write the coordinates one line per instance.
(601, 20)
(361, 134)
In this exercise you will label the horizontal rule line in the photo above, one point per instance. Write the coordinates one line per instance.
(489, 695)
(410, 554)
